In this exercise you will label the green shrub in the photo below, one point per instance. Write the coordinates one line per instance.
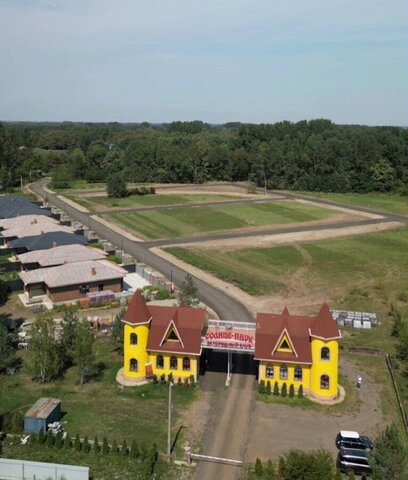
(114, 447)
(258, 468)
(124, 450)
(268, 387)
(351, 476)
(96, 445)
(179, 382)
(41, 436)
(300, 391)
(77, 443)
(170, 377)
(13, 422)
(50, 439)
(192, 381)
(134, 450)
(276, 389)
(270, 470)
(85, 445)
(261, 387)
(105, 446)
(155, 379)
(291, 390)
(163, 378)
(59, 441)
(284, 391)
(152, 191)
(67, 442)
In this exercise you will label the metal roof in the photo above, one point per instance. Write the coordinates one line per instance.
(43, 407)
(59, 255)
(74, 273)
(48, 240)
(35, 229)
(24, 220)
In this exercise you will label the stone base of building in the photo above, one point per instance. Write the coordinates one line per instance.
(126, 381)
(333, 400)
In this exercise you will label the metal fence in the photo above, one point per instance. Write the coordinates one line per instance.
(26, 470)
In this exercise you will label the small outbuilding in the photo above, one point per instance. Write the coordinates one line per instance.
(44, 411)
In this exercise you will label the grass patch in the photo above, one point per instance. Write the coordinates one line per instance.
(101, 407)
(257, 271)
(180, 222)
(389, 202)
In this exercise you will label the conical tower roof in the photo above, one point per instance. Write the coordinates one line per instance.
(137, 312)
(324, 326)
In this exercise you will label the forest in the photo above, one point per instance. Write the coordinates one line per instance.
(315, 155)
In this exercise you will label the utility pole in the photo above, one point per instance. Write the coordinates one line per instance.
(169, 424)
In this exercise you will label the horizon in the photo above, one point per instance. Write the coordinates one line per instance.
(96, 61)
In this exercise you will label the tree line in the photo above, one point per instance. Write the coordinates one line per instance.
(315, 155)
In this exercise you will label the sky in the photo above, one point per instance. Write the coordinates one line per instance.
(212, 60)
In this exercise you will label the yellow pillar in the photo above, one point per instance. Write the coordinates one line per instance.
(324, 371)
(135, 352)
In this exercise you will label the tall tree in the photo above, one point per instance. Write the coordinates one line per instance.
(43, 350)
(188, 292)
(69, 332)
(83, 353)
(6, 349)
(388, 459)
(116, 186)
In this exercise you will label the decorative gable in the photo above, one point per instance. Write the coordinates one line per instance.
(171, 334)
(284, 344)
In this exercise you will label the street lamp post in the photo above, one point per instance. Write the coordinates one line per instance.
(169, 423)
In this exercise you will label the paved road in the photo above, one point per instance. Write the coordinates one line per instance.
(225, 306)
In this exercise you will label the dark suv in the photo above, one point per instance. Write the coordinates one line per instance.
(354, 440)
(353, 460)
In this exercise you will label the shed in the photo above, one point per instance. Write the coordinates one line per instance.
(44, 411)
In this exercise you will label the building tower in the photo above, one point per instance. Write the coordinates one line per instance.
(136, 333)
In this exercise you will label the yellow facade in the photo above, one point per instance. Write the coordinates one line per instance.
(319, 379)
(136, 357)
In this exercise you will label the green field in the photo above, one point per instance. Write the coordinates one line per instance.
(388, 202)
(359, 265)
(100, 407)
(92, 203)
(181, 221)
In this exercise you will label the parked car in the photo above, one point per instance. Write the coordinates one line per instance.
(353, 460)
(350, 439)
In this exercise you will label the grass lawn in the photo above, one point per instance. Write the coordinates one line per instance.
(181, 221)
(388, 202)
(101, 407)
(92, 203)
(257, 271)
(82, 185)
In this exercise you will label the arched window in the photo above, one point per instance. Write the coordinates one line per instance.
(298, 374)
(283, 372)
(173, 363)
(159, 361)
(269, 371)
(324, 382)
(325, 353)
(133, 365)
(133, 339)
(186, 363)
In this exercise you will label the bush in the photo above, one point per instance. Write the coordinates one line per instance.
(50, 441)
(96, 445)
(155, 379)
(179, 382)
(351, 476)
(170, 377)
(13, 422)
(134, 450)
(258, 468)
(77, 443)
(284, 391)
(41, 436)
(163, 378)
(186, 382)
(4, 293)
(124, 450)
(192, 381)
(268, 387)
(85, 446)
(276, 389)
(105, 446)
(152, 191)
(300, 391)
(67, 442)
(59, 441)
(291, 390)
(114, 447)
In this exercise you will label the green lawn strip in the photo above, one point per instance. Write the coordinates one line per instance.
(102, 467)
(82, 185)
(100, 407)
(189, 221)
(388, 202)
(257, 271)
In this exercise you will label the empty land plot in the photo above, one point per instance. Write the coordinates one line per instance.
(179, 222)
(98, 203)
(387, 202)
(359, 267)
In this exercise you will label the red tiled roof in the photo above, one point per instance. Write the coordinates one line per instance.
(137, 312)
(324, 326)
(299, 329)
(188, 324)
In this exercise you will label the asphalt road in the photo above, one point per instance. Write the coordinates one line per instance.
(225, 306)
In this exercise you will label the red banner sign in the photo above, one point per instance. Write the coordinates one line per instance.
(229, 339)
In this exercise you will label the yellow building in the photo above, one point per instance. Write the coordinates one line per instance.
(299, 350)
(162, 340)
